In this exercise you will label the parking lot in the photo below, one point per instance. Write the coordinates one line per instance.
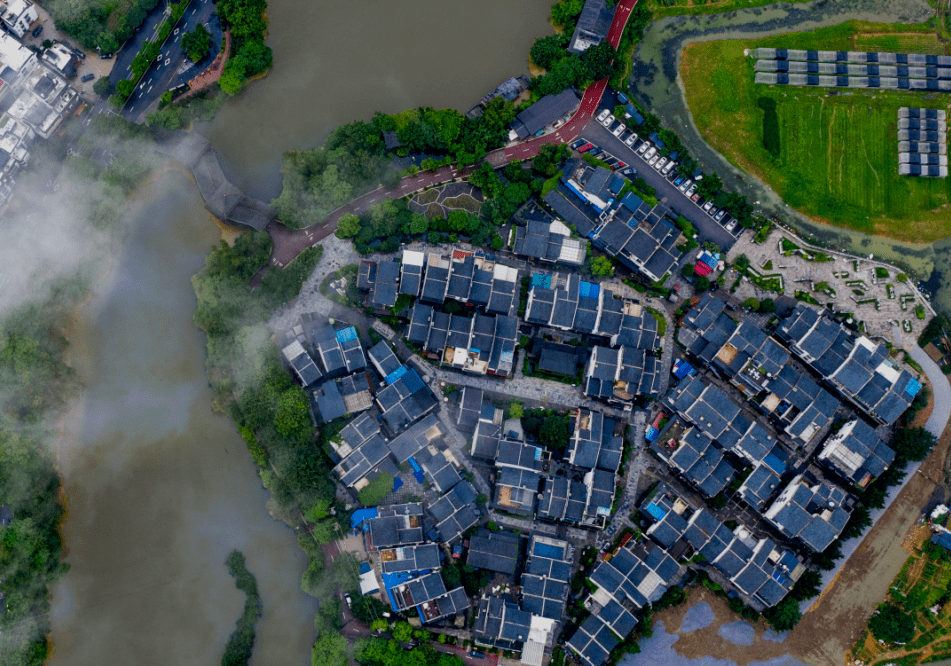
(707, 228)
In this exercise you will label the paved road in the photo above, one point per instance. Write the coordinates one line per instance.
(939, 388)
(288, 243)
(159, 77)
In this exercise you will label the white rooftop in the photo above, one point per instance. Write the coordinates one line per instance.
(13, 54)
(505, 273)
(413, 258)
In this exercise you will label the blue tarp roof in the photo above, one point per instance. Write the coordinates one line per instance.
(347, 334)
(913, 387)
(589, 290)
(541, 280)
(360, 515)
(651, 433)
(942, 539)
(682, 369)
(397, 482)
(396, 374)
(576, 191)
(391, 580)
(655, 511)
(364, 567)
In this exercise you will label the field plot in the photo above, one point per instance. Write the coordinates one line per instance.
(921, 589)
(677, 7)
(831, 154)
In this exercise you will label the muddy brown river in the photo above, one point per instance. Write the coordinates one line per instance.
(160, 488)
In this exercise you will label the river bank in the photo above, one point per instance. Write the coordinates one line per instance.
(159, 487)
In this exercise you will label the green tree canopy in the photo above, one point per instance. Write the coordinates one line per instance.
(348, 226)
(785, 615)
(709, 186)
(330, 649)
(197, 43)
(751, 303)
(892, 625)
(548, 50)
(767, 305)
(913, 443)
(599, 267)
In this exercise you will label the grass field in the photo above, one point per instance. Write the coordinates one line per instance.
(679, 7)
(838, 161)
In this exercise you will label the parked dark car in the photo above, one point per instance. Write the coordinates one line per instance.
(88, 77)
(476, 654)
(577, 144)
(106, 56)
(37, 30)
(79, 54)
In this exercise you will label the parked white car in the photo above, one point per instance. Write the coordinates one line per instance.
(618, 130)
(607, 121)
(603, 115)
(643, 148)
(731, 225)
(660, 163)
(670, 167)
(652, 161)
(631, 139)
(707, 206)
(650, 153)
(719, 216)
(685, 185)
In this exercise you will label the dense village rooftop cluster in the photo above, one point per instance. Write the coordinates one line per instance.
(641, 237)
(740, 423)
(786, 385)
(35, 96)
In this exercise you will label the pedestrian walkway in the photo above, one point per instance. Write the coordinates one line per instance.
(523, 524)
(210, 75)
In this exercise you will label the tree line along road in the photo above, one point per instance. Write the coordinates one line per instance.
(288, 243)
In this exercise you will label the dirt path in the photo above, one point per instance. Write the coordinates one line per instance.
(838, 618)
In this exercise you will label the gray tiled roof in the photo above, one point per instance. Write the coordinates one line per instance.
(494, 551)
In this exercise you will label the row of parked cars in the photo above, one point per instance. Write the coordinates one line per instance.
(585, 146)
(664, 165)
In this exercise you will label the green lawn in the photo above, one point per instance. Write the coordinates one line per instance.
(677, 7)
(838, 158)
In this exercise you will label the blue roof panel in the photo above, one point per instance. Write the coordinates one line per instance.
(347, 334)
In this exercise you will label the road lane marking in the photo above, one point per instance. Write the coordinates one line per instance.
(149, 90)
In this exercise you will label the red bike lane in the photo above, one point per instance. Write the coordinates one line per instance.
(288, 243)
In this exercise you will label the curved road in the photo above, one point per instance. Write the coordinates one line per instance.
(288, 243)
